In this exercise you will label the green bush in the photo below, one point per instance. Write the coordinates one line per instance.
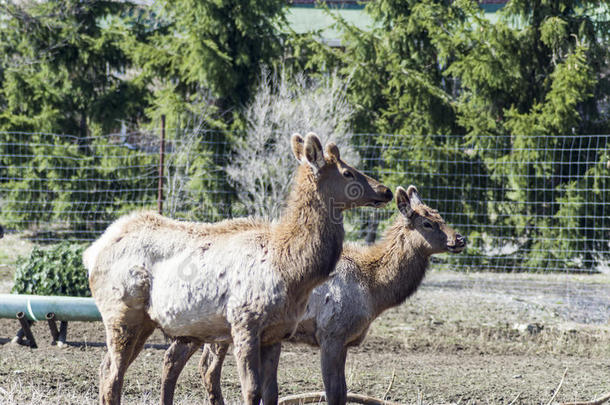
(58, 270)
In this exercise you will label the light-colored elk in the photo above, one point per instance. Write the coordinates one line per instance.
(367, 281)
(243, 280)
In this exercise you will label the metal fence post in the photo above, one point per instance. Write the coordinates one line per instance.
(161, 158)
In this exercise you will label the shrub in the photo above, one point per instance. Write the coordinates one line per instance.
(283, 104)
(58, 270)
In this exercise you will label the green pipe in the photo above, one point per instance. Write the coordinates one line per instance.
(36, 307)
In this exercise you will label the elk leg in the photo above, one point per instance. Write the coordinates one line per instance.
(333, 373)
(176, 356)
(210, 368)
(123, 336)
(247, 352)
(270, 358)
(145, 333)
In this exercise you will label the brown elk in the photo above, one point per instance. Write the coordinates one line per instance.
(243, 281)
(367, 281)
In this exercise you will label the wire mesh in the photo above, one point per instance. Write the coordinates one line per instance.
(525, 203)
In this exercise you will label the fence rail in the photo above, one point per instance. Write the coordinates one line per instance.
(526, 203)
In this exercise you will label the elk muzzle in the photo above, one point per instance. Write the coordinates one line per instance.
(458, 244)
(384, 195)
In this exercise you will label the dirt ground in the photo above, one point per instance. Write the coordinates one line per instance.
(464, 338)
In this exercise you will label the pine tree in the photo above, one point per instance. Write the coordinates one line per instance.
(538, 76)
(209, 53)
(396, 83)
(64, 70)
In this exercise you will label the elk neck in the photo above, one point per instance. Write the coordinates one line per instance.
(394, 267)
(308, 239)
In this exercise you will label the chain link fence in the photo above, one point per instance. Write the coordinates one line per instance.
(525, 203)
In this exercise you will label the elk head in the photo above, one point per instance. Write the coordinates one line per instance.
(338, 182)
(437, 236)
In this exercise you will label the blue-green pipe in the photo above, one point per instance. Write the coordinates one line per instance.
(36, 307)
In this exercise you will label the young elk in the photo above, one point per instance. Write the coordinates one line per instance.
(243, 280)
(367, 281)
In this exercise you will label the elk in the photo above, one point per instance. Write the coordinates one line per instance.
(367, 281)
(244, 281)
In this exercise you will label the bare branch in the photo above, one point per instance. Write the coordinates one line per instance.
(516, 398)
(317, 397)
(558, 387)
(597, 401)
(284, 105)
(391, 383)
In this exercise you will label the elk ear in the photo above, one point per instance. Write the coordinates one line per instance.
(297, 146)
(403, 203)
(333, 151)
(313, 152)
(414, 197)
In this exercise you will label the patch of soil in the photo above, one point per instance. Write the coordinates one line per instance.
(455, 341)
(573, 298)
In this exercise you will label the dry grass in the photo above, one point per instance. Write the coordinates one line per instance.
(454, 342)
(493, 370)
(30, 393)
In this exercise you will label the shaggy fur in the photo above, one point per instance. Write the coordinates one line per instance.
(245, 281)
(367, 281)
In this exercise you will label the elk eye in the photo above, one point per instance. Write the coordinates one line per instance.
(427, 225)
(348, 174)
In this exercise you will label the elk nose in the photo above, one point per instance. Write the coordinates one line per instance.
(386, 192)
